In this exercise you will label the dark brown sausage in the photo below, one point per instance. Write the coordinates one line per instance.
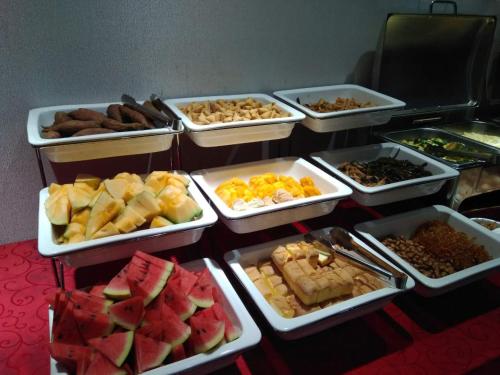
(120, 126)
(50, 134)
(85, 114)
(113, 111)
(61, 117)
(73, 126)
(133, 116)
(92, 131)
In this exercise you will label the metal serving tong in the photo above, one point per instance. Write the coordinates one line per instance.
(160, 106)
(441, 151)
(341, 237)
(160, 119)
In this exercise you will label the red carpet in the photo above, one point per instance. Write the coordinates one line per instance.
(453, 334)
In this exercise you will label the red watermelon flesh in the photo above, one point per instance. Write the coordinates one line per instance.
(118, 287)
(52, 298)
(153, 310)
(65, 330)
(60, 305)
(115, 347)
(161, 263)
(201, 293)
(128, 313)
(146, 279)
(175, 330)
(178, 353)
(92, 325)
(86, 301)
(230, 331)
(71, 356)
(183, 279)
(98, 290)
(153, 330)
(178, 302)
(206, 333)
(149, 353)
(216, 294)
(100, 365)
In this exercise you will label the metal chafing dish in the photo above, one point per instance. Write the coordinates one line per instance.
(437, 64)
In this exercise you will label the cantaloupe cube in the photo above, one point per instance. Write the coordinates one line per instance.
(156, 181)
(91, 181)
(128, 220)
(108, 230)
(160, 221)
(145, 204)
(78, 198)
(105, 209)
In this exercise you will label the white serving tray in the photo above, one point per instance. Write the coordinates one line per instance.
(380, 114)
(224, 355)
(90, 147)
(123, 245)
(255, 219)
(376, 195)
(316, 321)
(237, 132)
(405, 225)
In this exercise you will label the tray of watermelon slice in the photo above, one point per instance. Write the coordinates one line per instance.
(153, 317)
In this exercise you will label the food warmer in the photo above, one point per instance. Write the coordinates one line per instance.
(437, 64)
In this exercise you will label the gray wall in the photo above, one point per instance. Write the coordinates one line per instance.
(68, 52)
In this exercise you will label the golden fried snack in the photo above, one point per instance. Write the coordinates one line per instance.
(85, 114)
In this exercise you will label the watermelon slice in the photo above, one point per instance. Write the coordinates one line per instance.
(65, 330)
(86, 301)
(52, 298)
(183, 279)
(118, 287)
(216, 311)
(115, 347)
(71, 356)
(128, 314)
(147, 279)
(201, 293)
(98, 290)
(170, 329)
(100, 365)
(206, 333)
(149, 353)
(92, 325)
(161, 263)
(153, 311)
(178, 302)
(178, 353)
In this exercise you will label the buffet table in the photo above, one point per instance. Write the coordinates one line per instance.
(454, 333)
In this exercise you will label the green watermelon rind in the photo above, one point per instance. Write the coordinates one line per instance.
(115, 292)
(200, 297)
(208, 344)
(162, 277)
(127, 346)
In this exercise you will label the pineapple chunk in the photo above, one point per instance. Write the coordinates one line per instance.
(108, 230)
(128, 220)
(160, 221)
(104, 210)
(89, 180)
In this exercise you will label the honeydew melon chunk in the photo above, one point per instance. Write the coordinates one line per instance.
(78, 198)
(177, 183)
(81, 217)
(58, 208)
(97, 194)
(181, 209)
(146, 205)
(108, 230)
(130, 177)
(117, 188)
(159, 222)
(128, 220)
(72, 229)
(104, 210)
(89, 180)
(157, 180)
(53, 188)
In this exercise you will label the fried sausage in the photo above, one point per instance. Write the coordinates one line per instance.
(120, 126)
(61, 117)
(85, 114)
(50, 134)
(73, 126)
(113, 111)
(133, 116)
(92, 131)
